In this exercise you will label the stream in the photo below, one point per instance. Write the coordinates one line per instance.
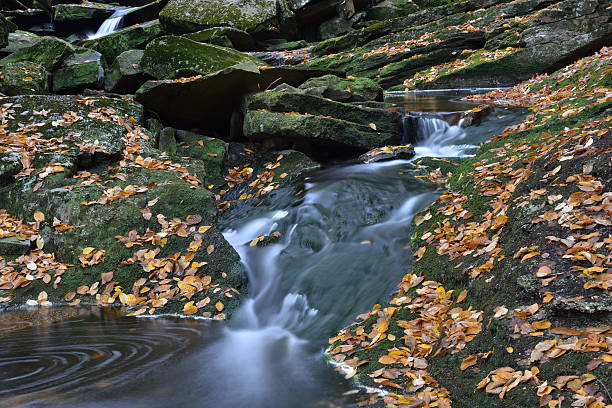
(343, 247)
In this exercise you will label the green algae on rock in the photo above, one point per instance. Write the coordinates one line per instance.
(24, 78)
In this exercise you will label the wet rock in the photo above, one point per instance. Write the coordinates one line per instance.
(83, 69)
(50, 52)
(225, 37)
(334, 27)
(13, 246)
(287, 46)
(129, 38)
(170, 57)
(344, 89)
(387, 153)
(125, 74)
(24, 78)
(10, 165)
(211, 151)
(27, 19)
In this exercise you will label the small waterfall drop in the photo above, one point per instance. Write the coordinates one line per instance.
(111, 24)
(436, 138)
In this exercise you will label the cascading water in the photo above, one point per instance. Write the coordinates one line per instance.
(111, 24)
(343, 247)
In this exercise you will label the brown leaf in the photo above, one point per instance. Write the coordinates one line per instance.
(468, 362)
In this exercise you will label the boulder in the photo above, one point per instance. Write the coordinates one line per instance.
(74, 204)
(125, 75)
(24, 78)
(389, 9)
(13, 246)
(317, 126)
(83, 69)
(17, 40)
(286, 46)
(225, 37)
(27, 19)
(388, 153)
(50, 52)
(344, 89)
(211, 151)
(208, 100)
(129, 38)
(181, 16)
(170, 57)
(202, 100)
(167, 140)
(66, 16)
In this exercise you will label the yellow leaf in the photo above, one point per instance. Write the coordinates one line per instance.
(510, 350)
(219, 306)
(386, 360)
(190, 308)
(203, 229)
(373, 126)
(468, 362)
(88, 250)
(383, 326)
(38, 216)
(462, 296)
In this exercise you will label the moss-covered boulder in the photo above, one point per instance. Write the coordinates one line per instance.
(209, 150)
(170, 57)
(24, 78)
(108, 197)
(125, 74)
(344, 89)
(225, 37)
(181, 16)
(83, 69)
(129, 38)
(317, 126)
(389, 9)
(50, 52)
(85, 13)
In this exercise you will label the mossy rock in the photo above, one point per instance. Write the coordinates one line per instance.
(83, 69)
(24, 78)
(211, 151)
(346, 89)
(129, 38)
(389, 9)
(181, 16)
(225, 37)
(170, 57)
(125, 74)
(81, 13)
(50, 52)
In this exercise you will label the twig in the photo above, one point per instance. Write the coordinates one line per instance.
(605, 389)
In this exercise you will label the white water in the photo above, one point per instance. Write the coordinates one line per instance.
(110, 25)
(436, 138)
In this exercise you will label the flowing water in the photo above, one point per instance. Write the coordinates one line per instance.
(111, 24)
(343, 247)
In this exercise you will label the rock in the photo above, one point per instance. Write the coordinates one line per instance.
(66, 16)
(201, 100)
(129, 38)
(211, 151)
(167, 140)
(13, 246)
(389, 9)
(50, 52)
(17, 40)
(287, 46)
(181, 16)
(26, 19)
(282, 58)
(334, 27)
(24, 78)
(387, 153)
(225, 37)
(10, 165)
(83, 69)
(81, 128)
(5, 28)
(144, 13)
(316, 126)
(125, 75)
(171, 57)
(207, 101)
(344, 90)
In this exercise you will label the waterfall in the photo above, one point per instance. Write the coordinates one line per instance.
(436, 138)
(111, 24)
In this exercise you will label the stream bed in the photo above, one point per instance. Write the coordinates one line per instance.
(343, 247)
